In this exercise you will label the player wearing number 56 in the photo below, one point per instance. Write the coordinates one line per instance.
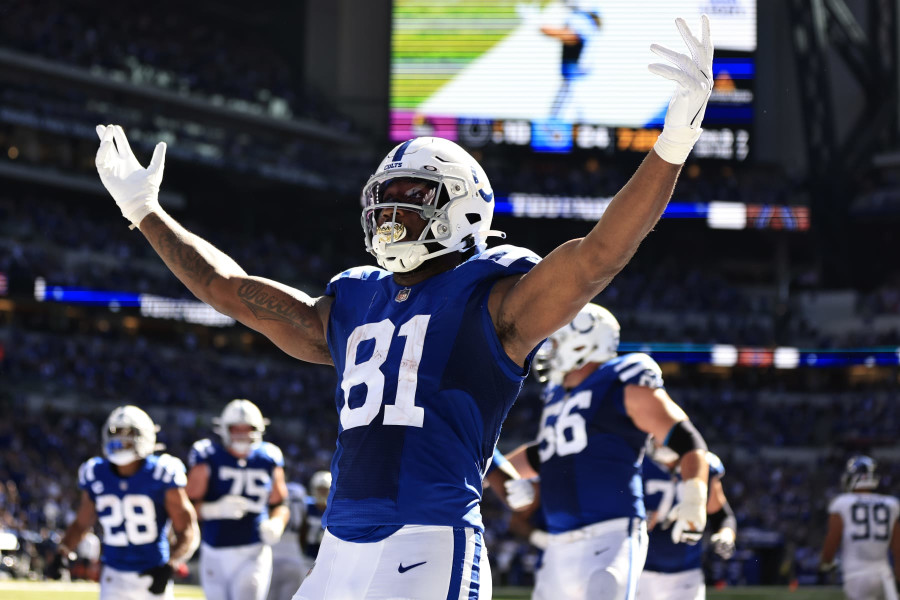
(863, 523)
(135, 494)
(431, 349)
(239, 490)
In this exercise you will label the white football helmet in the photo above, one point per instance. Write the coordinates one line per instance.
(320, 484)
(129, 434)
(663, 455)
(859, 474)
(592, 336)
(240, 412)
(458, 207)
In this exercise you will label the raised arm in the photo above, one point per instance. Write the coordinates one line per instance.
(294, 321)
(527, 310)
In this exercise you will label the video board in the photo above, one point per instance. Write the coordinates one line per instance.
(563, 74)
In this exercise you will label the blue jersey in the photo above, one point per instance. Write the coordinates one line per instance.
(662, 489)
(250, 477)
(315, 530)
(423, 387)
(132, 510)
(589, 448)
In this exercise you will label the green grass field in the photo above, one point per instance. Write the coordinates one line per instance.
(25, 590)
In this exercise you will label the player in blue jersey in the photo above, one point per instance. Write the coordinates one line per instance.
(673, 571)
(311, 530)
(241, 496)
(136, 496)
(289, 564)
(598, 411)
(431, 349)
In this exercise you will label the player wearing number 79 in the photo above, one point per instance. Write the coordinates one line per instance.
(134, 494)
(430, 350)
(239, 490)
(864, 524)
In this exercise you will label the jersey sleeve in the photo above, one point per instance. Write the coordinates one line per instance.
(838, 505)
(200, 452)
(170, 472)
(639, 369)
(87, 475)
(360, 273)
(716, 468)
(274, 453)
(513, 259)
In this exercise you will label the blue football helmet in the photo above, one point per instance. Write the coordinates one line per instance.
(860, 474)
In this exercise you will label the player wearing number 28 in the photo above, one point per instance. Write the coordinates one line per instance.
(239, 490)
(432, 348)
(135, 495)
(863, 523)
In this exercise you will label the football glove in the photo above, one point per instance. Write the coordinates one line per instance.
(270, 530)
(134, 188)
(693, 77)
(688, 517)
(160, 578)
(723, 542)
(519, 493)
(227, 507)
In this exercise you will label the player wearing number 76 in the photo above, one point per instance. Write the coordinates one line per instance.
(135, 494)
(431, 349)
(864, 524)
(241, 496)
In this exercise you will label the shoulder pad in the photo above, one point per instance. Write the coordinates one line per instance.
(272, 452)
(364, 272)
(87, 473)
(838, 503)
(201, 451)
(508, 254)
(170, 469)
(639, 369)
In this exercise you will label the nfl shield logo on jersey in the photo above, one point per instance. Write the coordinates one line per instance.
(402, 295)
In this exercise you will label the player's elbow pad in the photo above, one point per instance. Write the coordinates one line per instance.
(684, 438)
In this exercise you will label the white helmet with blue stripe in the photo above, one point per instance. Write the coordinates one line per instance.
(592, 336)
(129, 434)
(457, 204)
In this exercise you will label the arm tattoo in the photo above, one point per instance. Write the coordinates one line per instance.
(185, 257)
(267, 307)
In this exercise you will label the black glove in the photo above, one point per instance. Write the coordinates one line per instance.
(56, 567)
(161, 576)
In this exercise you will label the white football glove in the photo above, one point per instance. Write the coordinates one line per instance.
(134, 188)
(270, 530)
(519, 493)
(227, 507)
(539, 539)
(693, 77)
(723, 542)
(688, 517)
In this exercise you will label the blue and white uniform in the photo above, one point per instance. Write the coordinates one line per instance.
(577, 62)
(234, 563)
(314, 529)
(591, 452)
(424, 385)
(132, 512)
(672, 570)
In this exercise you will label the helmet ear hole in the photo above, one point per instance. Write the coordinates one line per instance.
(473, 218)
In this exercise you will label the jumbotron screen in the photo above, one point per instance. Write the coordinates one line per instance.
(562, 74)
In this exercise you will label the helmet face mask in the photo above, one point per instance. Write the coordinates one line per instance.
(236, 413)
(129, 435)
(457, 211)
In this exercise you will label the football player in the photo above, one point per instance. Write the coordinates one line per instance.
(430, 350)
(598, 411)
(673, 571)
(863, 523)
(289, 564)
(312, 530)
(240, 493)
(135, 495)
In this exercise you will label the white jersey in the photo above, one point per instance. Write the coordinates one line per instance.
(868, 521)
